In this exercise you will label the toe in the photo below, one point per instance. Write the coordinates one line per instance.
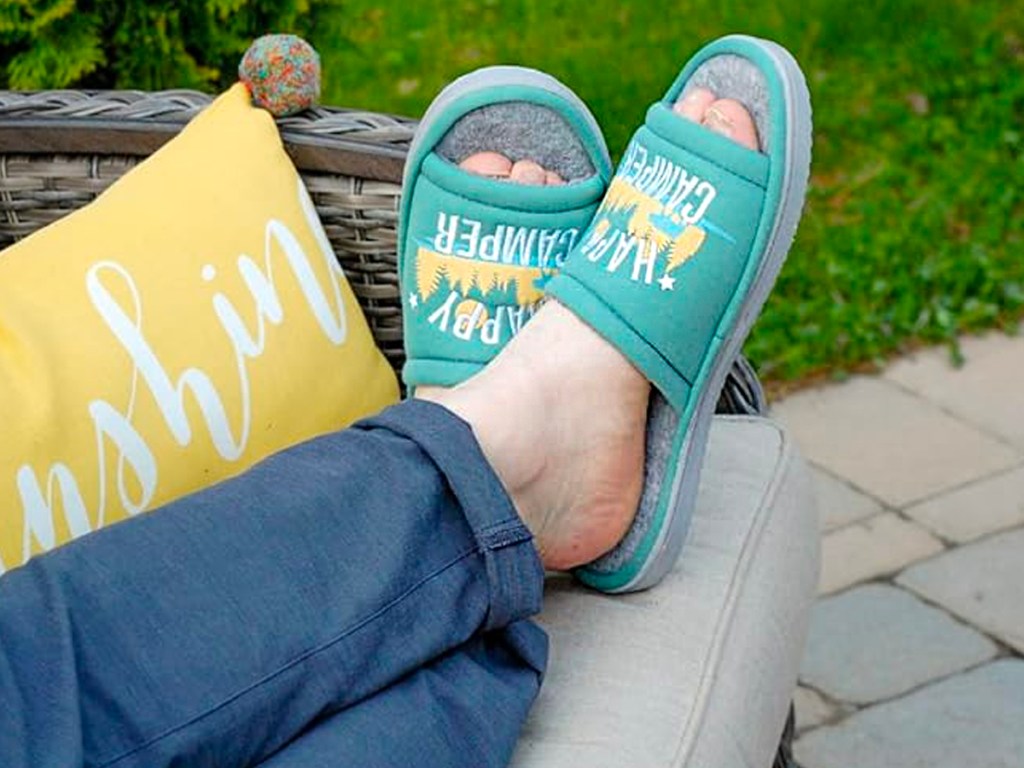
(528, 172)
(693, 104)
(730, 118)
(487, 164)
(552, 179)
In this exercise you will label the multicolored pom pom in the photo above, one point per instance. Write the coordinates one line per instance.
(282, 72)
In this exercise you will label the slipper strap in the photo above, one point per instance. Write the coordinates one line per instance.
(677, 228)
(474, 272)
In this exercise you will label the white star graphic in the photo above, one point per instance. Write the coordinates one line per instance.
(667, 283)
(414, 300)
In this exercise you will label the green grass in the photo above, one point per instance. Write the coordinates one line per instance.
(914, 224)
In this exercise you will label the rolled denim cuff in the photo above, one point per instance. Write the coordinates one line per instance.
(514, 570)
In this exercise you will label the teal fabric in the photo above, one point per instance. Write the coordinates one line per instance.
(669, 260)
(671, 241)
(668, 313)
(474, 273)
(777, 152)
(475, 254)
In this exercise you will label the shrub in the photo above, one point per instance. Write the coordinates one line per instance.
(143, 44)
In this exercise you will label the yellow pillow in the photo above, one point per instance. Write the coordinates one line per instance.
(185, 325)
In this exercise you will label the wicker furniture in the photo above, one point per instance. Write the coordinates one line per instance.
(60, 149)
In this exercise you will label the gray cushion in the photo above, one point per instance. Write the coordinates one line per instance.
(700, 670)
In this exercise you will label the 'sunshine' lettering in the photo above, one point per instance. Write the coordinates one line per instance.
(115, 427)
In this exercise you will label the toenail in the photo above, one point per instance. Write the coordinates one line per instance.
(528, 172)
(693, 103)
(717, 121)
(731, 118)
(487, 164)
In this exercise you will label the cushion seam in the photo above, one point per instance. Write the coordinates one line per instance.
(688, 740)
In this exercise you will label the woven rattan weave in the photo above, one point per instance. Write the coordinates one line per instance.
(59, 149)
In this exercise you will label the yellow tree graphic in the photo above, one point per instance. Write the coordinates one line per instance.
(624, 197)
(465, 274)
(687, 244)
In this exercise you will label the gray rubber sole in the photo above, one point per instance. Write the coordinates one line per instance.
(686, 479)
(496, 77)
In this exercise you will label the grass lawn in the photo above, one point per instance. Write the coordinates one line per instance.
(914, 225)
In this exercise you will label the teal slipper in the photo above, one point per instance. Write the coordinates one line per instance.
(475, 253)
(676, 266)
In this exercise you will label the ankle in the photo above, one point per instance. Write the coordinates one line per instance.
(559, 416)
(506, 408)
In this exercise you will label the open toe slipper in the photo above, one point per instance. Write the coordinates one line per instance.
(676, 266)
(476, 252)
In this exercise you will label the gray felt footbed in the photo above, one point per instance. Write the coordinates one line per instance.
(519, 130)
(733, 77)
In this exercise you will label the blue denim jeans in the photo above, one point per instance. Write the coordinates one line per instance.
(360, 599)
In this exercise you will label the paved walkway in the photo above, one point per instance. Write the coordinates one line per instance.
(916, 648)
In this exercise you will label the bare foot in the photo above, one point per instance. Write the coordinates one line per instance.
(492, 164)
(528, 172)
(725, 116)
(694, 103)
(497, 166)
(560, 413)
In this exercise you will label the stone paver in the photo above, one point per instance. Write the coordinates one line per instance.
(876, 641)
(983, 507)
(897, 447)
(879, 545)
(811, 709)
(981, 582)
(901, 675)
(985, 391)
(973, 719)
(838, 503)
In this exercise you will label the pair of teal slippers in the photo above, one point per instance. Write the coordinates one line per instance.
(670, 259)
